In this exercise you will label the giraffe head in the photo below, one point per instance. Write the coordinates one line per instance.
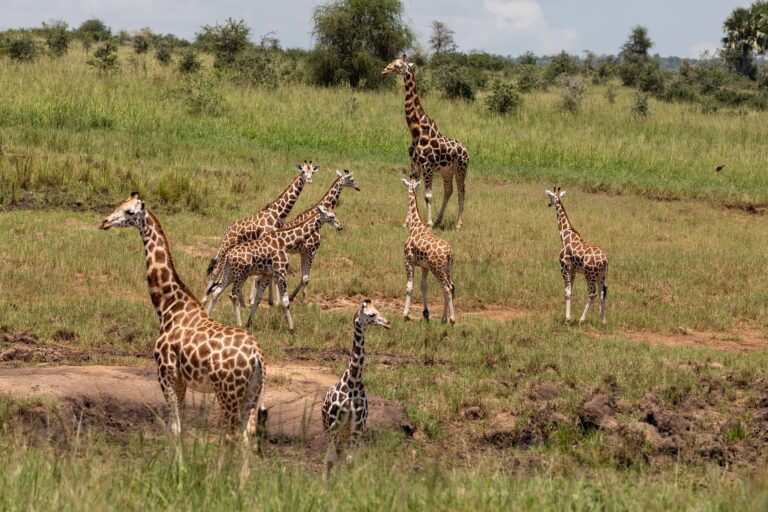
(554, 197)
(128, 213)
(328, 216)
(398, 66)
(308, 170)
(369, 315)
(411, 184)
(347, 180)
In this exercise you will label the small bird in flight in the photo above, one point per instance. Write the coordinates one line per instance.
(719, 167)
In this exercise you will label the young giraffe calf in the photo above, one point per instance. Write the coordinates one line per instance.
(345, 408)
(267, 258)
(579, 256)
(192, 350)
(429, 252)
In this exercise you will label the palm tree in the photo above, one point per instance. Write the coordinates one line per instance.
(739, 41)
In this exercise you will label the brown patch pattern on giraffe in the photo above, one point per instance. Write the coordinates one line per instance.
(578, 256)
(431, 253)
(431, 151)
(193, 351)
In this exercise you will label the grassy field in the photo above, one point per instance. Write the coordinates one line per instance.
(683, 262)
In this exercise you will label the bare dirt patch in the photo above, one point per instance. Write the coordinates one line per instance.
(745, 339)
(496, 312)
(122, 398)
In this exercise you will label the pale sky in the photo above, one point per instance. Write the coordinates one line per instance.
(508, 27)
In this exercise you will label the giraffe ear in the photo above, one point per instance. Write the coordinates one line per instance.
(315, 168)
(416, 185)
(411, 64)
(405, 182)
(299, 167)
(338, 173)
(141, 205)
(403, 57)
(562, 193)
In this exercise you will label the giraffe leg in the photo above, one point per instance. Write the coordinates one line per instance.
(283, 294)
(170, 386)
(236, 296)
(592, 293)
(447, 193)
(253, 416)
(256, 301)
(461, 174)
(448, 314)
(306, 268)
(568, 285)
(331, 454)
(603, 298)
(424, 276)
(408, 287)
(428, 193)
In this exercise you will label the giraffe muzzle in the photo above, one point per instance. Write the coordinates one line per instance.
(105, 224)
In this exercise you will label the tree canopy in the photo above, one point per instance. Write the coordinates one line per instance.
(355, 39)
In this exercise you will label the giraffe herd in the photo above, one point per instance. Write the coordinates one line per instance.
(194, 351)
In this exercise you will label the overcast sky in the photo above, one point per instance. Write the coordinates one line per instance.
(508, 27)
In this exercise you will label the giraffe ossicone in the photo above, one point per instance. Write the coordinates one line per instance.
(193, 351)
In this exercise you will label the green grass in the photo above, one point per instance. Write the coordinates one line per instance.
(76, 143)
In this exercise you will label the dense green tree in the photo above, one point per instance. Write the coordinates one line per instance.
(225, 41)
(634, 56)
(746, 33)
(356, 39)
(561, 64)
(56, 37)
(528, 58)
(105, 57)
(441, 39)
(22, 47)
(93, 30)
(141, 41)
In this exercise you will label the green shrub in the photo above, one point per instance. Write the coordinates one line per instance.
(200, 94)
(650, 79)
(610, 94)
(141, 43)
(163, 53)
(105, 58)
(255, 66)
(456, 82)
(56, 38)
(572, 94)
(561, 64)
(188, 62)
(679, 91)
(504, 99)
(640, 105)
(22, 48)
(529, 78)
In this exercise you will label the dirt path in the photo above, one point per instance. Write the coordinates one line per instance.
(745, 339)
(123, 397)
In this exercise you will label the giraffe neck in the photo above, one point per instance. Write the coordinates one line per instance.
(419, 123)
(168, 293)
(303, 230)
(355, 368)
(284, 203)
(331, 197)
(563, 223)
(414, 218)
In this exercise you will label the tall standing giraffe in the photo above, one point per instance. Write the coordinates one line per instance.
(345, 408)
(432, 254)
(430, 151)
(266, 258)
(270, 217)
(309, 247)
(579, 256)
(193, 351)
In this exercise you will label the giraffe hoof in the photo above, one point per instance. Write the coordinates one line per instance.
(425, 313)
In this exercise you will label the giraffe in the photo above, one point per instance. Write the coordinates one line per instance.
(579, 256)
(430, 151)
(429, 252)
(266, 257)
(345, 408)
(193, 351)
(311, 245)
(270, 217)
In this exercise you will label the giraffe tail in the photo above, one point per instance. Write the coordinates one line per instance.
(605, 291)
(211, 266)
(453, 290)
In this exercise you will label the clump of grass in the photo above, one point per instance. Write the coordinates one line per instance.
(504, 99)
(571, 94)
(640, 105)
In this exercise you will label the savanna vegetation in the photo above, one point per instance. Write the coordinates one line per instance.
(665, 408)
